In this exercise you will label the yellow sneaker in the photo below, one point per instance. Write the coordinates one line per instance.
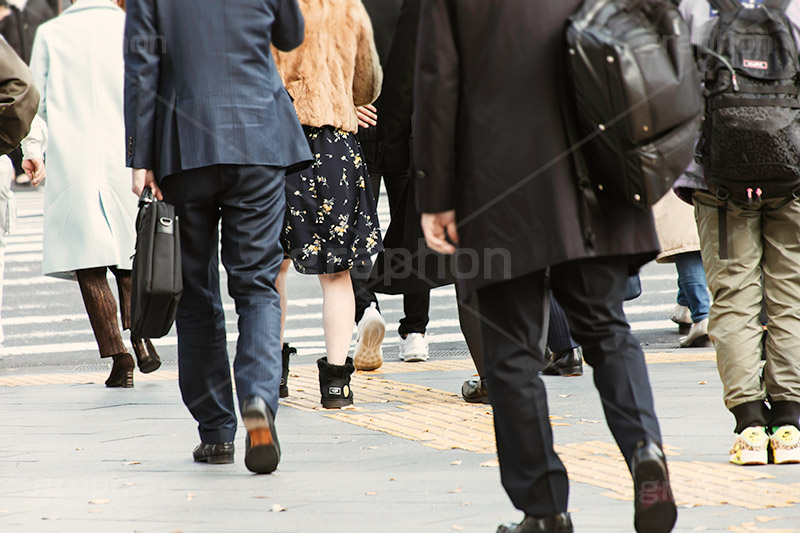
(750, 447)
(785, 444)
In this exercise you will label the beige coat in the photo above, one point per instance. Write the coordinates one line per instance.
(336, 67)
(676, 228)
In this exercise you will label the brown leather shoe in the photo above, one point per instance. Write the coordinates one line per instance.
(146, 355)
(122, 372)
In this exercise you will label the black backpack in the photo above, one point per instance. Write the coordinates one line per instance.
(636, 100)
(750, 149)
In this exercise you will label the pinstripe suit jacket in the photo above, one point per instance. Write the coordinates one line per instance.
(201, 87)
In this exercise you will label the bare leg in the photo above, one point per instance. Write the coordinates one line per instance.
(338, 313)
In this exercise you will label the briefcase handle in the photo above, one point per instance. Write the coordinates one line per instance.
(146, 197)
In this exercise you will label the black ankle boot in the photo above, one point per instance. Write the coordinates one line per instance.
(334, 383)
(566, 363)
(287, 350)
(122, 372)
(146, 355)
(560, 523)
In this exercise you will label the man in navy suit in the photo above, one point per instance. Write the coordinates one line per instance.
(211, 129)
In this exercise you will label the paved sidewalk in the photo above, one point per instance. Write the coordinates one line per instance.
(411, 457)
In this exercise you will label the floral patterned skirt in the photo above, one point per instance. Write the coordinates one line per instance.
(331, 220)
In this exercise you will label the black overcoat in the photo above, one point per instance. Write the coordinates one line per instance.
(490, 143)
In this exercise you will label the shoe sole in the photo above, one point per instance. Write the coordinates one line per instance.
(263, 455)
(749, 457)
(482, 399)
(218, 460)
(787, 458)
(151, 365)
(283, 392)
(660, 515)
(415, 358)
(336, 404)
(570, 371)
(367, 354)
(700, 342)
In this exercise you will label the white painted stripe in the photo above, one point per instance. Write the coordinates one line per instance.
(648, 325)
(659, 277)
(652, 308)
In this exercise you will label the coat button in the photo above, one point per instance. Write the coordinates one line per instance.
(421, 175)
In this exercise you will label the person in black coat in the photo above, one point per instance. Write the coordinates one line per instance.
(494, 178)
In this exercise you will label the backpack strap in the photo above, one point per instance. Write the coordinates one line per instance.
(729, 6)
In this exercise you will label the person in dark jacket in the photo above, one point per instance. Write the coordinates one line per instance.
(494, 178)
(217, 142)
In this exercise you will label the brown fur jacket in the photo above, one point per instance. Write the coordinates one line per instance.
(336, 68)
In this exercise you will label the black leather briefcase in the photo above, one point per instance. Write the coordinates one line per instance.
(157, 280)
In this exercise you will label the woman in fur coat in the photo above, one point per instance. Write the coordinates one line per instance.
(331, 220)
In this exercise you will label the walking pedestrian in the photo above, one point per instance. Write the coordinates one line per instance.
(210, 125)
(750, 248)
(331, 221)
(493, 180)
(680, 244)
(89, 213)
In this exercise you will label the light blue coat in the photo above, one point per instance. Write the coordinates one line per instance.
(89, 209)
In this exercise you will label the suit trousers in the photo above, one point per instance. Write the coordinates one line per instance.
(249, 202)
(513, 327)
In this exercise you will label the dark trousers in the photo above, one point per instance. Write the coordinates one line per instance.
(558, 336)
(415, 305)
(251, 204)
(513, 320)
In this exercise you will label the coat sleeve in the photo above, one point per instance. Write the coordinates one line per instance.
(368, 75)
(40, 66)
(142, 50)
(436, 102)
(393, 135)
(288, 30)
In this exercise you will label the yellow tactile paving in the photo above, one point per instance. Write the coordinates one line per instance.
(442, 420)
(75, 378)
(677, 357)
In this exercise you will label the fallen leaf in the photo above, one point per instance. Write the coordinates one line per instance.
(565, 395)
(458, 528)
(99, 501)
(127, 484)
(373, 447)
(558, 424)
(455, 491)
(491, 463)
(700, 528)
(465, 504)
(189, 497)
(456, 463)
(278, 508)
(132, 463)
(392, 479)
(176, 531)
(261, 497)
(78, 449)
(703, 383)
(371, 493)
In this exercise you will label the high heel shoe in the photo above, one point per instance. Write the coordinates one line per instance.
(121, 372)
(146, 355)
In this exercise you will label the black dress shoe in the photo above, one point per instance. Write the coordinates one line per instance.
(146, 355)
(263, 452)
(654, 503)
(214, 454)
(566, 363)
(475, 391)
(559, 523)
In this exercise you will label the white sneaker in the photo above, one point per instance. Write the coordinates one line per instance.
(785, 444)
(750, 447)
(698, 336)
(414, 348)
(368, 353)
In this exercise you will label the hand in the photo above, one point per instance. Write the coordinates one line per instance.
(438, 227)
(4, 12)
(35, 170)
(142, 178)
(367, 116)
